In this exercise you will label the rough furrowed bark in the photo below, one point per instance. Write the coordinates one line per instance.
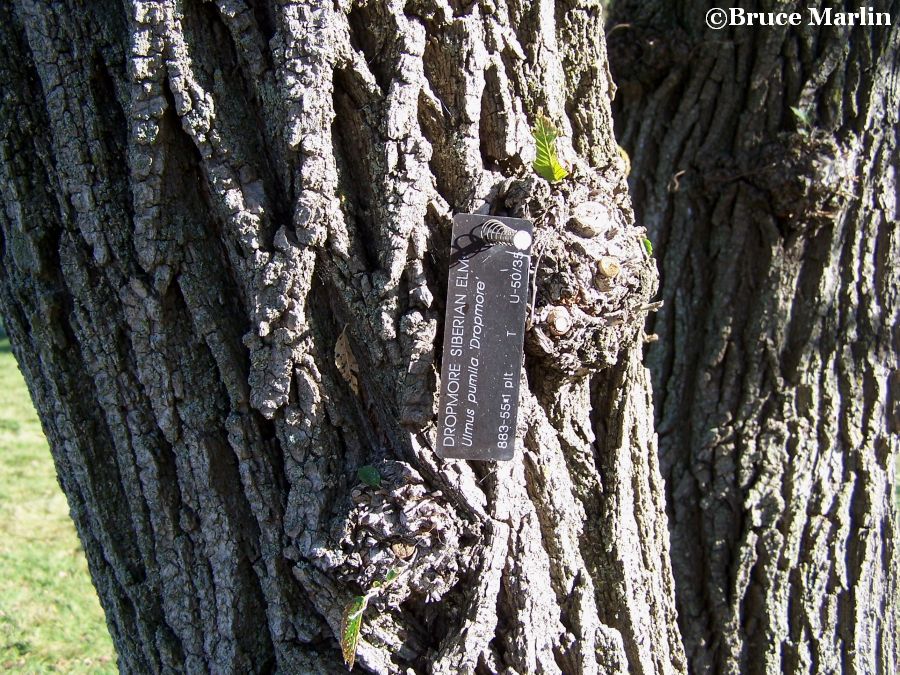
(765, 164)
(225, 242)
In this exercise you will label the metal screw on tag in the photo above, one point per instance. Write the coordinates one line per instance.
(495, 232)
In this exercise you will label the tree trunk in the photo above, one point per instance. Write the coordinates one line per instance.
(775, 372)
(225, 235)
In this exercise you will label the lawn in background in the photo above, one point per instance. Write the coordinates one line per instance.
(50, 618)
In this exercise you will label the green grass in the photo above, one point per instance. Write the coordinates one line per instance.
(50, 619)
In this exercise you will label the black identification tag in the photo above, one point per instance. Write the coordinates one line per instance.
(484, 329)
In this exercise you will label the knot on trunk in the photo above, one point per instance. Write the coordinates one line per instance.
(807, 178)
(593, 274)
(398, 523)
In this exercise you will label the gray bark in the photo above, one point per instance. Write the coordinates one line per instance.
(200, 202)
(776, 370)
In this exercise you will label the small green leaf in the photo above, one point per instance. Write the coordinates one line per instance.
(648, 246)
(546, 162)
(391, 575)
(351, 623)
(369, 475)
(802, 116)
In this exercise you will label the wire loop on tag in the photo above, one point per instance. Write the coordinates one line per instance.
(495, 232)
(542, 239)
